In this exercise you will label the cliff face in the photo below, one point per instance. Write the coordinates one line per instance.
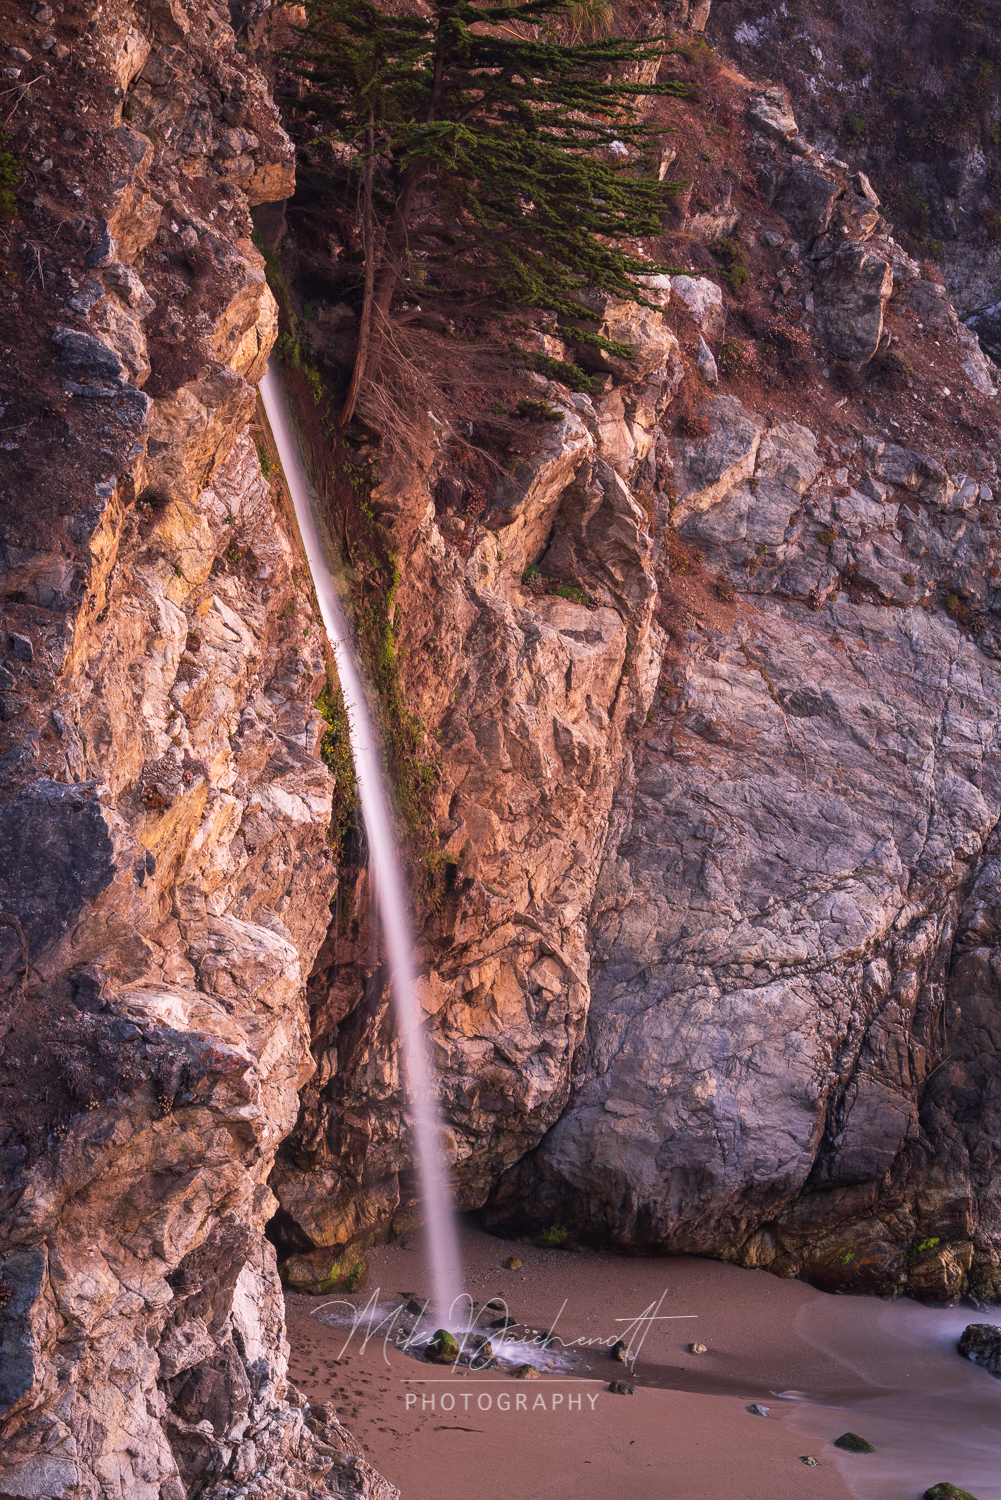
(787, 500)
(707, 686)
(164, 880)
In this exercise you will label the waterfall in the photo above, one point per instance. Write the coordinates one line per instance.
(388, 886)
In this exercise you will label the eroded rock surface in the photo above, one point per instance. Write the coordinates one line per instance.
(164, 877)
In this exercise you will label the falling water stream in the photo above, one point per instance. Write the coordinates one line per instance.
(388, 886)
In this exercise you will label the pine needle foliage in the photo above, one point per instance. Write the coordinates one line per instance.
(486, 147)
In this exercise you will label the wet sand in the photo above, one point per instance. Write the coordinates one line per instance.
(822, 1365)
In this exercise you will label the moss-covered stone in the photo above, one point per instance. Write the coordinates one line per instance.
(443, 1348)
(852, 1443)
(946, 1491)
(318, 1272)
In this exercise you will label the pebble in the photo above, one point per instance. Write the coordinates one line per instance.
(697, 1349)
(621, 1388)
(757, 1410)
(512, 1263)
(19, 54)
(21, 646)
(810, 1461)
(527, 1372)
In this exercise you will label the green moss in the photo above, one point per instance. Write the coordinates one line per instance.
(850, 1442)
(10, 176)
(553, 1236)
(335, 752)
(443, 1349)
(730, 253)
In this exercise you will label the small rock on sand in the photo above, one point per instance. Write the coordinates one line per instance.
(621, 1388)
(527, 1372)
(758, 1411)
(947, 1491)
(512, 1263)
(852, 1443)
(621, 1351)
(697, 1349)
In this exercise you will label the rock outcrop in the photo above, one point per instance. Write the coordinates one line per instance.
(164, 877)
(710, 676)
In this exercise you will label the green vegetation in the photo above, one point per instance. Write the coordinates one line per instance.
(10, 176)
(265, 461)
(730, 253)
(572, 376)
(553, 1236)
(335, 752)
(483, 151)
(573, 592)
(734, 358)
(539, 411)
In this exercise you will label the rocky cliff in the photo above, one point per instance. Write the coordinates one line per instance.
(694, 664)
(164, 879)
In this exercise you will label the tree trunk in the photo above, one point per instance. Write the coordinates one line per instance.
(380, 285)
(368, 249)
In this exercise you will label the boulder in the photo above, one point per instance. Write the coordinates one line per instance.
(851, 291)
(704, 300)
(706, 364)
(806, 198)
(981, 1342)
(443, 1348)
(641, 329)
(771, 114)
(850, 1442)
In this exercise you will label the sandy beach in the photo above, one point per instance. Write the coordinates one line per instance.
(821, 1365)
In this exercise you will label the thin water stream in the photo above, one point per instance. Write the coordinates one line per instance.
(425, 1115)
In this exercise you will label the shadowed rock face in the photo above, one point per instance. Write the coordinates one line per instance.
(790, 1038)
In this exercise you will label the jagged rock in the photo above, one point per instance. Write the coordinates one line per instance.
(712, 466)
(852, 289)
(704, 300)
(641, 329)
(706, 364)
(986, 324)
(806, 198)
(980, 370)
(772, 114)
(981, 1342)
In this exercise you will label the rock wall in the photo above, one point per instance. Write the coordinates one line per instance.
(711, 683)
(164, 878)
(789, 1051)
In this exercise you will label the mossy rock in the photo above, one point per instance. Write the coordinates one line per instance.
(850, 1442)
(946, 1491)
(318, 1272)
(443, 1348)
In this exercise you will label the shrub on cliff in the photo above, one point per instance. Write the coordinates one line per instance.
(489, 148)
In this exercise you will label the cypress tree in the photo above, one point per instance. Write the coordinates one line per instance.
(486, 145)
